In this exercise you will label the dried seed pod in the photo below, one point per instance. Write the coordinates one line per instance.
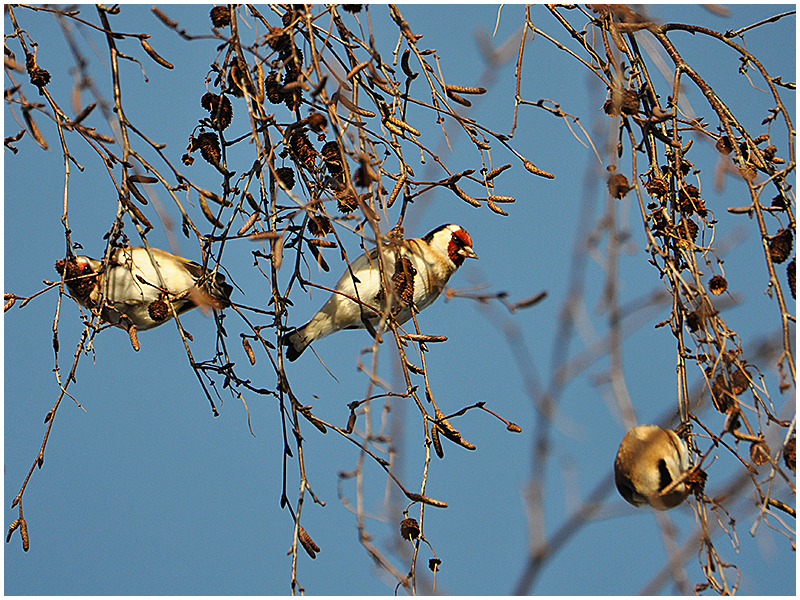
(220, 109)
(322, 243)
(248, 350)
(761, 139)
(409, 529)
(689, 199)
(437, 443)
(273, 87)
(33, 129)
(136, 193)
(220, 16)
(210, 216)
(134, 337)
(495, 172)
(421, 337)
(332, 155)
(618, 186)
(39, 77)
(405, 66)
(687, 225)
(724, 145)
(458, 99)
(513, 427)
(23, 531)
(351, 421)
(337, 97)
(238, 78)
(790, 454)
(721, 394)
(10, 300)
(696, 481)
(318, 256)
(347, 201)
(278, 39)
(158, 310)
(790, 275)
(302, 149)
(248, 224)
(656, 186)
(434, 563)
(780, 245)
(292, 89)
(352, 8)
(464, 196)
(403, 280)
(537, 171)
(308, 544)
(208, 144)
(154, 55)
(739, 381)
(398, 187)
(759, 453)
(214, 197)
(415, 369)
(492, 206)
(11, 529)
(319, 225)
(717, 285)
(135, 213)
(465, 90)
(285, 176)
(402, 125)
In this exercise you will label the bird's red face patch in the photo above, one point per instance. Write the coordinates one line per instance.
(460, 239)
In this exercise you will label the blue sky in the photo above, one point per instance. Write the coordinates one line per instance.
(143, 491)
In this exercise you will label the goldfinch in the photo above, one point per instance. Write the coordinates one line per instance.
(649, 460)
(135, 293)
(418, 268)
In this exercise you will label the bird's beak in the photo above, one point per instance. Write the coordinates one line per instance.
(467, 252)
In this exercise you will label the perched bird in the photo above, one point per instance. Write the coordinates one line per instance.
(136, 294)
(648, 461)
(420, 269)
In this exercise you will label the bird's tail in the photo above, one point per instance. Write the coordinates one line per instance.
(295, 343)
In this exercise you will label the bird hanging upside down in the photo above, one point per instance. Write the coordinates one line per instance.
(420, 267)
(137, 295)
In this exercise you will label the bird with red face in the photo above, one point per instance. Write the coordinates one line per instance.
(420, 270)
(138, 290)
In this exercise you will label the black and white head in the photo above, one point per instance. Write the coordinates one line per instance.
(452, 241)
